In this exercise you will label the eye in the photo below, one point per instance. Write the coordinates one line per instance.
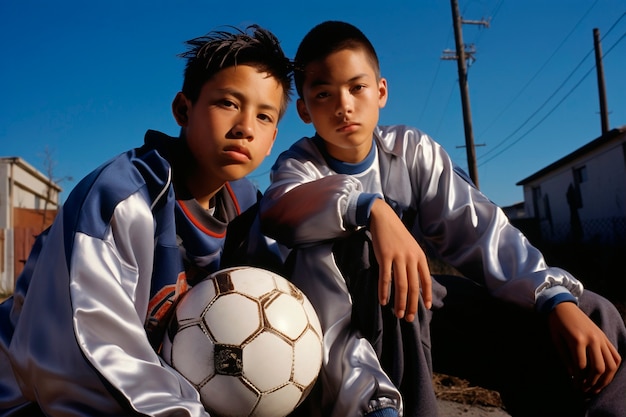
(228, 103)
(357, 88)
(322, 94)
(265, 118)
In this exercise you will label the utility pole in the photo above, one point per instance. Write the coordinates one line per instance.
(461, 56)
(604, 114)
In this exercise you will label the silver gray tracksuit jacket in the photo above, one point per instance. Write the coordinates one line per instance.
(313, 199)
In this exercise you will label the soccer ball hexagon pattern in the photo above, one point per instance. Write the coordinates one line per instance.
(248, 340)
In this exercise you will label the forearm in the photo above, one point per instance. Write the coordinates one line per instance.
(310, 212)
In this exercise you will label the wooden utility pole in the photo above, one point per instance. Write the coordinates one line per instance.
(461, 57)
(604, 114)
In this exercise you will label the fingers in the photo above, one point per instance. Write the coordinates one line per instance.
(421, 284)
(413, 296)
(384, 283)
(426, 284)
(402, 262)
(402, 287)
(604, 360)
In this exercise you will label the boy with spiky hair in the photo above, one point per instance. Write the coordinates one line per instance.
(354, 200)
(80, 335)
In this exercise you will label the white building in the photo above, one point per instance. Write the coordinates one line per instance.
(28, 203)
(582, 196)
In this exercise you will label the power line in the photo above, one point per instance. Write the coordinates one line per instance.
(519, 93)
(503, 141)
(556, 106)
(432, 84)
(545, 103)
(443, 115)
(492, 16)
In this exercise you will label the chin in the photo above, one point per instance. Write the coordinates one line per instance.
(236, 173)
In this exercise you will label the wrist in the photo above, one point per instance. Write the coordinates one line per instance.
(365, 204)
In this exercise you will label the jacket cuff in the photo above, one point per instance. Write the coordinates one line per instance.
(551, 297)
(363, 208)
(385, 412)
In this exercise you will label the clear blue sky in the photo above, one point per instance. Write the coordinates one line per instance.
(85, 79)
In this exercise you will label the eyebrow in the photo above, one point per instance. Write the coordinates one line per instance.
(320, 81)
(241, 97)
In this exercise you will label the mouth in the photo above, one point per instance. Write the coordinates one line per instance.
(348, 127)
(237, 152)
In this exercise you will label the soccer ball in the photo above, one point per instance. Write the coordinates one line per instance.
(248, 340)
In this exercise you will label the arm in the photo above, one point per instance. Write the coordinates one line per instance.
(110, 280)
(307, 202)
(79, 346)
(474, 235)
(401, 261)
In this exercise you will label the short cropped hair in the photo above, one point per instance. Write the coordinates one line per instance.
(327, 38)
(220, 49)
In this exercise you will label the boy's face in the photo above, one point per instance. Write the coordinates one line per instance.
(230, 129)
(342, 98)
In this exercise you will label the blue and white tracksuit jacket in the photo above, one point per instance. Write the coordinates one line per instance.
(80, 334)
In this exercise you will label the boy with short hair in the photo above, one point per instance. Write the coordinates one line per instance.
(354, 200)
(81, 333)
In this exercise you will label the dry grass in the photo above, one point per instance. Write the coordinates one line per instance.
(455, 389)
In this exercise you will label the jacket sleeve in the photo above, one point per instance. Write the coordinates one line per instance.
(85, 350)
(473, 234)
(307, 202)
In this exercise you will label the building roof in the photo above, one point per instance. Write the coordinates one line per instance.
(583, 150)
(16, 160)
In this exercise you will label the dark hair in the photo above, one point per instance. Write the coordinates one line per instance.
(326, 38)
(221, 49)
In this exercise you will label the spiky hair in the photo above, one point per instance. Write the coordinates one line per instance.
(221, 49)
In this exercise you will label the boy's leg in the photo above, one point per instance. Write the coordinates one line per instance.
(506, 348)
(368, 351)
(403, 348)
(351, 376)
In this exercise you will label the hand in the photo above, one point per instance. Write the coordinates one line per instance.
(401, 260)
(589, 355)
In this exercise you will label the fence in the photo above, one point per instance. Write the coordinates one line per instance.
(604, 231)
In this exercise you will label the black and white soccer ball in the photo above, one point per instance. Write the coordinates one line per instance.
(248, 340)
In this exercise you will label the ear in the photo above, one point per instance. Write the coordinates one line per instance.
(180, 109)
(269, 150)
(383, 93)
(302, 111)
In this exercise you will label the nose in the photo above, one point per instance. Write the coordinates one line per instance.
(243, 128)
(344, 105)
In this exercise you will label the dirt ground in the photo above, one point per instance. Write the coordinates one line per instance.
(457, 398)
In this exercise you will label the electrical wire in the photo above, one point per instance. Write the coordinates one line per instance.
(557, 104)
(535, 75)
(507, 138)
